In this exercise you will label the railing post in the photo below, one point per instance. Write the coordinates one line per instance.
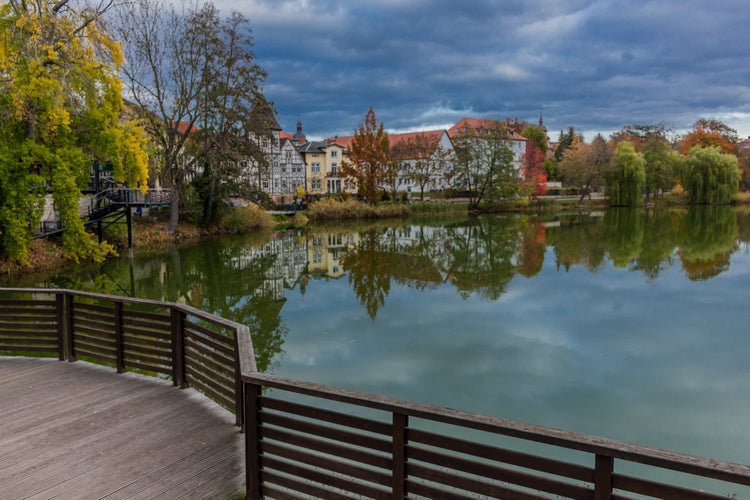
(603, 471)
(239, 398)
(119, 349)
(69, 328)
(178, 347)
(398, 475)
(60, 313)
(253, 479)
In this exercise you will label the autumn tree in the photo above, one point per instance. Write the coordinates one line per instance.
(369, 157)
(639, 135)
(60, 109)
(627, 176)
(484, 165)
(585, 166)
(532, 163)
(710, 132)
(424, 160)
(711, 176)
(186, 69)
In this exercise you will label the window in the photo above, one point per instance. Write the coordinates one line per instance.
(315, 167)
(334, 168)
(316, 184)
(334, 154)
(265, 184)
(317, 257)
(243, 164)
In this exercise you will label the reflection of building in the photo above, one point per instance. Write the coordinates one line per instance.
(289, 254)
(325, 250)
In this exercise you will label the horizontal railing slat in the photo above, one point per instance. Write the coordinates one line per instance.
(306, 488)
(536, 462)
(224, 349)
(222, 382)
(148, 367)
(334, 417)
(659, 490)
(315, 460)
(135, 315)
(190, 343)
(494, 472)
(327, 447)
(330, 482)
(351, 438)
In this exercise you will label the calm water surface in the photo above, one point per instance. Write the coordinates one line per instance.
(627, 325)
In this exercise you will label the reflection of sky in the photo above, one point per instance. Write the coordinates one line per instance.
(661, 362)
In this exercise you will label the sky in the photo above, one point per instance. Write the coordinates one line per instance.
(595, 65)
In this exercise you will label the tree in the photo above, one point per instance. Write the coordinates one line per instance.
(186, 70)
(711, 176)
(710, 132)
(585, 166)
(484, 165)
(369, 157)
(533, 169)
(662, 165)
(627, 177)
(424, 160)
(638, 134)
(60, 109)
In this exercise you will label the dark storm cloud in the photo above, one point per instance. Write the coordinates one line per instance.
(595, 65)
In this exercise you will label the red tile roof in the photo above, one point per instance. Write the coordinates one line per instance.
(393, 139)
(478, 124)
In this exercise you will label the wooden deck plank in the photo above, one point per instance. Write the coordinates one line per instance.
(89, 432)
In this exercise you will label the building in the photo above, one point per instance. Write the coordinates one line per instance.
(481, 127)
(425, 160)
(323, 168)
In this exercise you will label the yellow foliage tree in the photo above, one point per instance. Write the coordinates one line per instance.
(60, 108)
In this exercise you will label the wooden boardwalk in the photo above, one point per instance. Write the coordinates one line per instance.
(88, 432)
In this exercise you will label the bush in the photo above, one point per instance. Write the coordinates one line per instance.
(243, 219)
(338, 210)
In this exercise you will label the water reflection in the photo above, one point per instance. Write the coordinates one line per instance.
(246, 279)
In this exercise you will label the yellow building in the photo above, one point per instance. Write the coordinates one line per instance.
(323, 166)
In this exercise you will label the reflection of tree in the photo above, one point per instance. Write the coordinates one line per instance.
(743, 224)
(707, 237)
(533, 245)
(368, 273)
(623, 234)
(659, 243)
(484, 256)
(578, 241)
(222, 276)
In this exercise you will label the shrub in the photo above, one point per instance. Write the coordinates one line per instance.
(337, 210)
(243, 219)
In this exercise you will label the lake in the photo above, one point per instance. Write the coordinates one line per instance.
(627, 324)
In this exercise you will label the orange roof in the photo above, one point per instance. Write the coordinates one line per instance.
(393, 139)
(183, 126)
(478, 124)
(343, 141)
(285, 135)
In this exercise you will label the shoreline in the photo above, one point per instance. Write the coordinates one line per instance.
(45, 255)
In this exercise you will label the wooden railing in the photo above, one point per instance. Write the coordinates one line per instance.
(175, 341)
(304, 439)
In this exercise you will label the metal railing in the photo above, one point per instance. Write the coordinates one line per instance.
(305, 439)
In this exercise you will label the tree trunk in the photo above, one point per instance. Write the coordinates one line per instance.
(174, 206)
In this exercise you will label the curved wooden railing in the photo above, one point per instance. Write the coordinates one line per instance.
(307, 439)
